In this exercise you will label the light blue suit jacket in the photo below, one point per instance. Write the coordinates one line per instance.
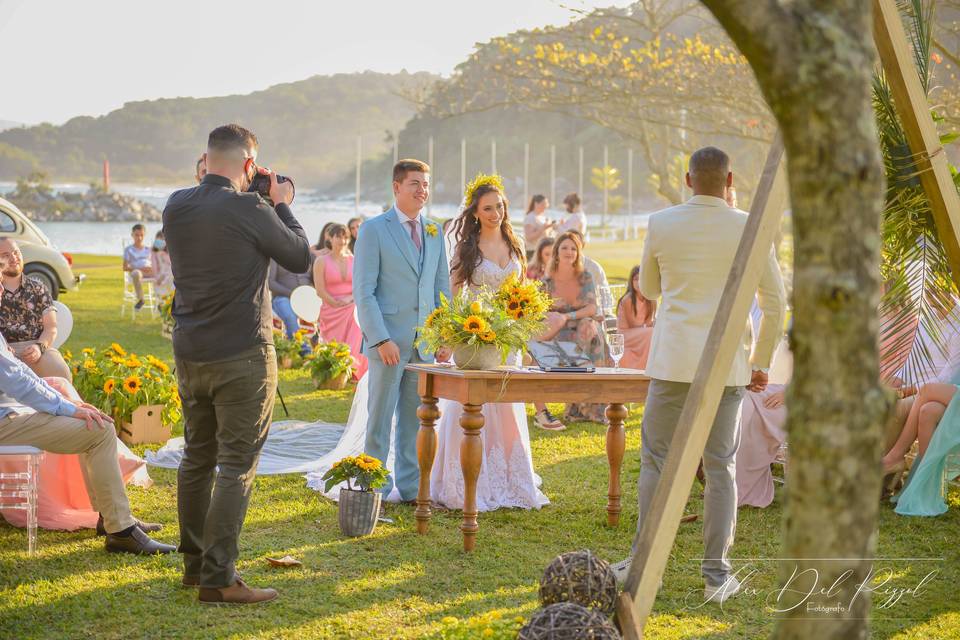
(394, 288)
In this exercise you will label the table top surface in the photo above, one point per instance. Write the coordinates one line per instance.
(604, 373)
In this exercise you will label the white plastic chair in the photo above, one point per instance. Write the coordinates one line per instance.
(64, 323)
(150, 300)
(18, 490)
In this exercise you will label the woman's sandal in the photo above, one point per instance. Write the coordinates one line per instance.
(546, 420)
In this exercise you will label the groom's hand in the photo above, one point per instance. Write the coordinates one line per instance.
(389, 353)
(758, 382)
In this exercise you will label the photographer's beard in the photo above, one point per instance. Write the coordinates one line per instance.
(12, 271)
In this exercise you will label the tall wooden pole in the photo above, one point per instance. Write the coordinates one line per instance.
(606, 185)
(553, 175)
(526, 173)
(493, 156)
(463, 164)
(580, 177)
(433, 173)
(356, 197)
(633, 228)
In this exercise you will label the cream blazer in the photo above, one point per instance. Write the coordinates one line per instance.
(687, 256)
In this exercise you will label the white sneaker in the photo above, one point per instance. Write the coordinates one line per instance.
(622, 568)
(722, 593)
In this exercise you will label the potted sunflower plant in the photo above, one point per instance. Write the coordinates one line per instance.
(330, 365)
(359, 502)
(483, 327)
(140, 392)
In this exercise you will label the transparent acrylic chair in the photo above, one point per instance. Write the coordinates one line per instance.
(18, 488)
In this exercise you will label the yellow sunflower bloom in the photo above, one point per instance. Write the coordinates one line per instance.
(476, 307)
(488, 336)
(109, 386)
(89, 365)
(118, 349)
(88, 351)
(132, 384)
(432, 317)
(475, 324)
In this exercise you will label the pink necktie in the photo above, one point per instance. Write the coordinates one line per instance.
(413, 233)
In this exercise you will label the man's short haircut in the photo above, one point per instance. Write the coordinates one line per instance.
(709, 167)
(231, 137)
(138, 227)
(403, 167)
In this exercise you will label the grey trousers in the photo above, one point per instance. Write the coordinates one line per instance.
(227, 410)
(664, 404)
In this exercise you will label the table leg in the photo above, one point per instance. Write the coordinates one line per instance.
(616, 445)
(471, 448)
(426, 451)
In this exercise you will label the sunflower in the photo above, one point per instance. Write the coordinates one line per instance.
(88, 351)
(476, 307)
(109, 386)
(432, 317)
(158, 364)
(132, 384)
(89, 364)
(118, 349)
(475, 324)
(133, 362)
(488, 336)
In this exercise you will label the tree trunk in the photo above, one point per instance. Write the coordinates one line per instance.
(814, 63)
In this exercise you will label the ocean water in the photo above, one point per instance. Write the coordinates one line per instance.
(312, 209)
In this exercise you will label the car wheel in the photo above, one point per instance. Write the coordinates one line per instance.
(44, 276)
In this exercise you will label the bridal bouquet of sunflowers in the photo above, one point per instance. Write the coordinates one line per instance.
(505, 319)
(118, 382)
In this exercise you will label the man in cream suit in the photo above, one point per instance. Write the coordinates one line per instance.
(687, 257)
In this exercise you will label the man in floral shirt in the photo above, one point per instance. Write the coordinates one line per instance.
(28, 319)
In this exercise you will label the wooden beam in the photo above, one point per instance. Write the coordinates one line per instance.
(896, 56)
(660, 524)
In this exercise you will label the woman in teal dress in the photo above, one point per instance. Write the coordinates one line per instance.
(934, 421)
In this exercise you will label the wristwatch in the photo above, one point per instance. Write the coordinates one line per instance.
(42, 347)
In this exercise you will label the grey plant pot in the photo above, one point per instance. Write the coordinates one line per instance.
(467, 356)
(358, 511)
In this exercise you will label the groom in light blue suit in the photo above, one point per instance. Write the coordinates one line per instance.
(399, 272)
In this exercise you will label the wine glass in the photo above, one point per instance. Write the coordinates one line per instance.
(615, 342)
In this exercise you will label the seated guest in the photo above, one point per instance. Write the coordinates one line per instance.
(537, 269)
(160, 261)
(28, 319)
(35, 415)
(592, 266)
(635, 315)
(333, 279)
(571, 318)
(282, 283)
(62, 499)
(136, 261)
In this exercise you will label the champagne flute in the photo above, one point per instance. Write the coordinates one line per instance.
(615, 342)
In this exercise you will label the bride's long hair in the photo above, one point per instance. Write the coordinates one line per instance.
(466, 232)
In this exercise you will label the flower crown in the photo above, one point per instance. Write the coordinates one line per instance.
(481, 180)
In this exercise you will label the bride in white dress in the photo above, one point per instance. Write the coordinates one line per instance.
(487, 252)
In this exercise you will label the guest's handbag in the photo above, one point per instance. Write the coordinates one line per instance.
(557, 356)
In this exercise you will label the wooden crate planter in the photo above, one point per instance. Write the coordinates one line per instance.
(336, 384)
(145, 426)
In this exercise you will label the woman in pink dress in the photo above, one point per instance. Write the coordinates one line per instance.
(63, 502)
(635, 316)
(333, 279)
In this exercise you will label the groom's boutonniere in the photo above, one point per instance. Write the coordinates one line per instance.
(431, 229)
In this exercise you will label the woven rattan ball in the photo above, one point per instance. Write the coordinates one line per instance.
(580, 577)
(568, 621)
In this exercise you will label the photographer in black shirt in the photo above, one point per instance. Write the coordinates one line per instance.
(221, 240)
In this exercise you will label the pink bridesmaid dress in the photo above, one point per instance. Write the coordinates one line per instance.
(63, 501)
(636, 337)
(340, 323)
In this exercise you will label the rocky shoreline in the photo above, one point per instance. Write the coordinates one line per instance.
(39, 203)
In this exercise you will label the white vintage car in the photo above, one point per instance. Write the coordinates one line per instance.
(41, 260)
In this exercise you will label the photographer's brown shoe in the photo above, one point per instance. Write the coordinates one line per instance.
(237, 593)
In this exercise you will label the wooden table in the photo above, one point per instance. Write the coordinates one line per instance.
(474, 388)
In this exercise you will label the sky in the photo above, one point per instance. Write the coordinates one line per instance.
(67, 58)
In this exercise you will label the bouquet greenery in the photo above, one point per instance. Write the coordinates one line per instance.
(329, 361)
(368, 473)
(506, 318)
(166, 309)
(118, 382)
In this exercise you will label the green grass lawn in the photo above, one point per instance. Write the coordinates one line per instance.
(396, 584)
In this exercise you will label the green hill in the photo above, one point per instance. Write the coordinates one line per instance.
(308, 128)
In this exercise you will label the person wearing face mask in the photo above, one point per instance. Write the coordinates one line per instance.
(160, 261)
(221, 239)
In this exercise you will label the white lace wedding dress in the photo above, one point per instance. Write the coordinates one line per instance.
(506, 471)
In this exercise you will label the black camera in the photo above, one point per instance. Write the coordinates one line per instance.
(261, 184)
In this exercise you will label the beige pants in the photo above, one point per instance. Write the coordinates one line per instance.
(50, 364)
(98, 458)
